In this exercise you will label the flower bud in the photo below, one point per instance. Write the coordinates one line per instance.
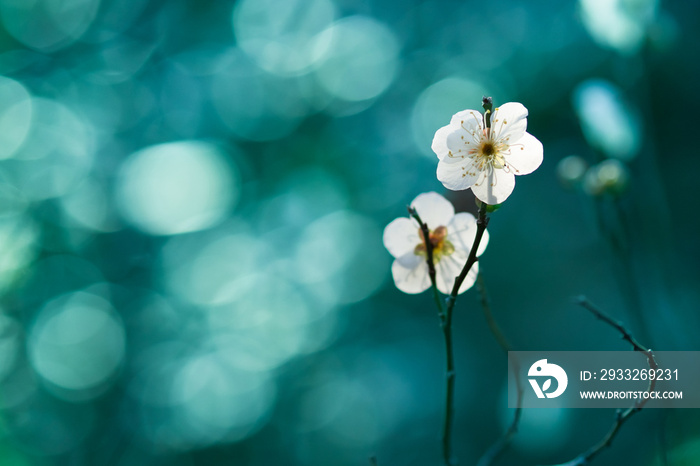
(614, 175)
(608, 177)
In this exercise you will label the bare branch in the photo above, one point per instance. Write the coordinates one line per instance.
(429, 260)
(621, 416)
(446, 318)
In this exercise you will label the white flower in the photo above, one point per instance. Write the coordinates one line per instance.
(451, 235)
(486, 160)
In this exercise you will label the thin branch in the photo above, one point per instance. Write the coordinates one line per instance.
(429, 260)
(486, 306)
(446, 318)
(617, 236)
(622, 416)
(446, 325)
(502, 443)
(626, 335)
(482, 222)
(450, 391)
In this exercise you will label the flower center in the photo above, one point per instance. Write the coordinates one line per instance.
(490, 153)
(487, 148)
(438, 239)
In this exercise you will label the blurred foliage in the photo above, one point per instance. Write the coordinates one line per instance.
(192, 196)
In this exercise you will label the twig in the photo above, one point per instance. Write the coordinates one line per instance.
(446, 325)
(481, 223)
(449, 399)
(622, 415)
(617, 236)
(502, 443)
(373, 461)
(626, 335)
(446, 315)
(429, 259)
(446, 318)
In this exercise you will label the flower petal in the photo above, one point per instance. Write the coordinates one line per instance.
(411, 281)
(410, 260)
(509, 121)
(494, 187)
(439, 145)
(526, 155)
(401, 236)
(433, 209)
(449, 268)
(470, 279)
(469, 120)
(459, 143)
(484, 242)
(461, 232)
(456, 176)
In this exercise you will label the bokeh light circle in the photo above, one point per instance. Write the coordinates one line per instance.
(15, 116)
(212, 267)
(278, 34)
(436, 105)
(619, 24)
(215, 400)
(253, 104)
(10, 342)
(607, 121)
(19, 246)
(77, 342)
(338, 258)
(48, 25)
(177, 187)
(57, 153)
(90, 206)
(197, 399)
(358, 58)
(269, 323)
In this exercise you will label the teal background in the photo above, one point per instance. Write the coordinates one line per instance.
(192, 199)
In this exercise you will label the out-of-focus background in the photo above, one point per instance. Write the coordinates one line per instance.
(192, 198)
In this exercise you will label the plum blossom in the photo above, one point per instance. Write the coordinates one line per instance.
(486, 159)
(451, 235)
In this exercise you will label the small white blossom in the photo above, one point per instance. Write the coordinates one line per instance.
(451, 236)
(486, 160)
